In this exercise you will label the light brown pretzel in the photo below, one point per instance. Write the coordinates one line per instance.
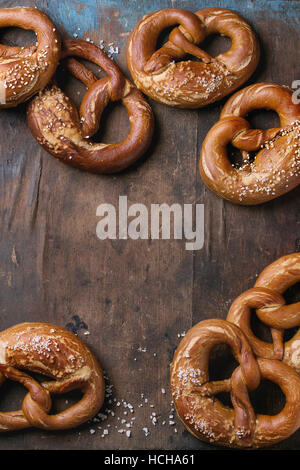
(55, 123)
(56, 353)
(190, 84)
(276, 168)
(26, 70)
(204, 415)
(266, 298)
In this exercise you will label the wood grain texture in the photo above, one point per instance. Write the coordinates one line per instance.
(135, 294)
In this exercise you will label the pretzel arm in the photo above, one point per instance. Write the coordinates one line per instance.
(244, 413)
(92, 107)
(79, 71)
(253, 139)
(16, 52)
(213, 388)
(63, 386)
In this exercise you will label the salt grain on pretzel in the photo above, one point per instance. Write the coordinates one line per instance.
(55, 353)
(25, 71)
(276, 167)
(55, 123)
(204, 416)
(190, 84)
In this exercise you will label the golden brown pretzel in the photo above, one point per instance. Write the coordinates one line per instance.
(55, 123)
(26, 70)
(190, 84)
(204, 415)
(276, 168)
(56, 353)
(267, 298)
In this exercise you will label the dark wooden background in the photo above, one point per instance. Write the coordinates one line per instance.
(140, 294)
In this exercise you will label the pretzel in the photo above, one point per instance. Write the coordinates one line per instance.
(204, 415)
(276, 168)
(26, 70)
(267, 298)
(190, 84)
(56, 353)
(55, 123)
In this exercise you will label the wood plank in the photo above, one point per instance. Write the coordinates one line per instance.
(134, 294)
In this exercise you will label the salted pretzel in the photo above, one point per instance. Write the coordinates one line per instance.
(276, 167)
(266, 297)
(57, 354)
(204, 415)
(55, 123)
(25, 71)
(163, 76)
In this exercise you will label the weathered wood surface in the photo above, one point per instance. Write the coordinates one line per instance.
(134, 294)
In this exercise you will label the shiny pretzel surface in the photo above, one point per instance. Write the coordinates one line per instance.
(56, 124)
(204, 415)
(267, 299)
(162, 75)
(24, 71)
(275, 169)
(56, 354)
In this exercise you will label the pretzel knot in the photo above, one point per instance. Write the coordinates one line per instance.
(276, 167)
(55, 123)
(266, 298)
(204, 415)
(190, 84)
(26, 70)
(56, 353)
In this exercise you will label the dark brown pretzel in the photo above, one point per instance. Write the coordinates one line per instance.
(190, 84)
(276, 168)
(55, 123)
(26, 70)
(204, 415)
(266, 298)
(56, 353)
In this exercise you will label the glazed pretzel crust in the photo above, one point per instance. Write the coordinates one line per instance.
(55, 123)
(55, 353)
(190, 84)
(276, 168)
(266, 298)
(25, 71)
(204, 415)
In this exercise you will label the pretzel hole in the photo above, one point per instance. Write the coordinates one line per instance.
(221, 366)
(64, 401)
(11, 396)
(268, 398)
(291, 296)
(164, 36)
(114, 124)
(216, 44)
(263, 119)
(237, 158)
(17, 37)
(259, 329)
